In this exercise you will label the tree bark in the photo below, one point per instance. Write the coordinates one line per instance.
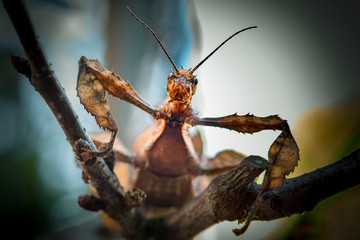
(226, 198)
(302, 193)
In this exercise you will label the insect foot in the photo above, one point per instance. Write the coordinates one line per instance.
(84, 152)
(134, 197)
(87, 155)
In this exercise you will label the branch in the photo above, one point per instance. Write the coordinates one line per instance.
(218, 202)
(230, 195)
(303, 193)
(44, 80)
(40, 74)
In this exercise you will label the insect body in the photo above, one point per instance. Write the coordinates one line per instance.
(167, 178)
(169, 158)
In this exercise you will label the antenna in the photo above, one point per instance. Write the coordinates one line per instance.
(206, 58)
(157, 39)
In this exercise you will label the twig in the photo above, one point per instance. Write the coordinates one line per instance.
(42, 77)
(44, 80)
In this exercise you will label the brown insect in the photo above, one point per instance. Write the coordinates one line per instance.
(168, 158)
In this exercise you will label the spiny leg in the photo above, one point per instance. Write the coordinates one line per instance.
(244, 124)
(110, 82)
(93, 80)
(283, 153)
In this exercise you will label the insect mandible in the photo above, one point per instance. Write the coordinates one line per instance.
(169, 158)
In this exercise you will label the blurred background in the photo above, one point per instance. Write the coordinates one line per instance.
(301, 63)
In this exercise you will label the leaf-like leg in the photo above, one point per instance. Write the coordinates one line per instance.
(93, 80)
(92, 95)
(283, 157)
(283, 153)
(115, 85)
(245, 124)
(222, 162)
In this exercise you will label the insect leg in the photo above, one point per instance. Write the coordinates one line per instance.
(113, 84)
(283, 153)
(222, 162)
(245, 124)
(93, 80)
(121, 154)
(104, 151)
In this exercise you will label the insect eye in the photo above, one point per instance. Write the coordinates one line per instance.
(195, 81)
